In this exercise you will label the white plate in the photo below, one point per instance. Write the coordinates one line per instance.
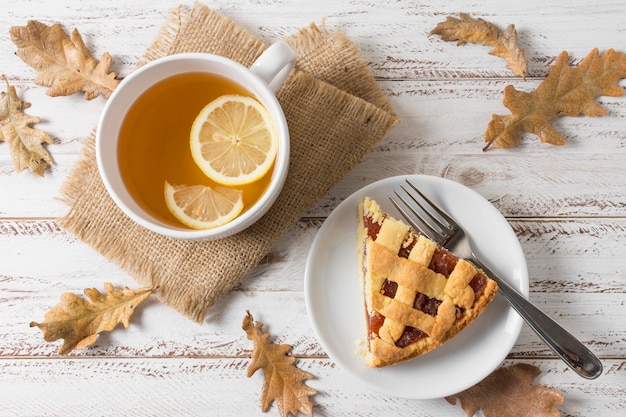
(334, 305)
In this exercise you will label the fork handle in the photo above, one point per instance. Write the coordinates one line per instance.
(566, 346)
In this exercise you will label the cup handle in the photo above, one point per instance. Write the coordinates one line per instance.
(275, 64)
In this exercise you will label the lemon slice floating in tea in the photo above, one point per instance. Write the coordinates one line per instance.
(234, 140)
(203, 207)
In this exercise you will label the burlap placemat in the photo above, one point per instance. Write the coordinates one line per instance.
(336, 113)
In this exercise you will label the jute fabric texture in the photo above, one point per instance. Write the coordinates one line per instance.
(336, 113)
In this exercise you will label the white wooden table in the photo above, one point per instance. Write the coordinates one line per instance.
(567, 205)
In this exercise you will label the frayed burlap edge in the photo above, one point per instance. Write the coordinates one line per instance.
(354, 76)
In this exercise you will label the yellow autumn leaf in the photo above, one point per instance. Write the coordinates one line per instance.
(25, 143)
(78, 321)
(479, 31)
(283, 382)
(64, 63)
(566, 91)
(510, 391)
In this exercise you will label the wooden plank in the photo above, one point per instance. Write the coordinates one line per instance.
(435, 115)
(563, 256)
(158, 331)
(440, 134)
(516, 184)
(453, 115)
(184, 386)
(585, 296)
(394, 37)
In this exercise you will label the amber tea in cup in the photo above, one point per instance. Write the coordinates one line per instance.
(143, 136)
(154, 141)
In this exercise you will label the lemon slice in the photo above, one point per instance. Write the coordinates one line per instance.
(234, 140)
(202, 207)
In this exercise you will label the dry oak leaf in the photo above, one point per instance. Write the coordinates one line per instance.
(79, 321)
(479, 31)
(509, 392)
(64, 64)
(566, 91)
(282, 381)
(25, 143)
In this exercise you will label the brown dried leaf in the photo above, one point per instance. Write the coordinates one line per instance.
(25, 143)
(479, 31)
(510, 392)
(64, 64)
(282, 381)
(566, 91)
(79, 321)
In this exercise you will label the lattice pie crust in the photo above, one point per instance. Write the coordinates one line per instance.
(416, 294)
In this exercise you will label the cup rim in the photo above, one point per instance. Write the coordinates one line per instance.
(110, 174)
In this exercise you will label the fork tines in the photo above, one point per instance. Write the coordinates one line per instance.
(427, 218)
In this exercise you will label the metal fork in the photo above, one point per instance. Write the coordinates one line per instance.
(440, 227)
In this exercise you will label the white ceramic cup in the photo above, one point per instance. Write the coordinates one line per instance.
(262, 79)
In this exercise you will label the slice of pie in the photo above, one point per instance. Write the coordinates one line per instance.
(417, 295)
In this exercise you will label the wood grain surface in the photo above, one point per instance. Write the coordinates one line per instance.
(567, 206)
